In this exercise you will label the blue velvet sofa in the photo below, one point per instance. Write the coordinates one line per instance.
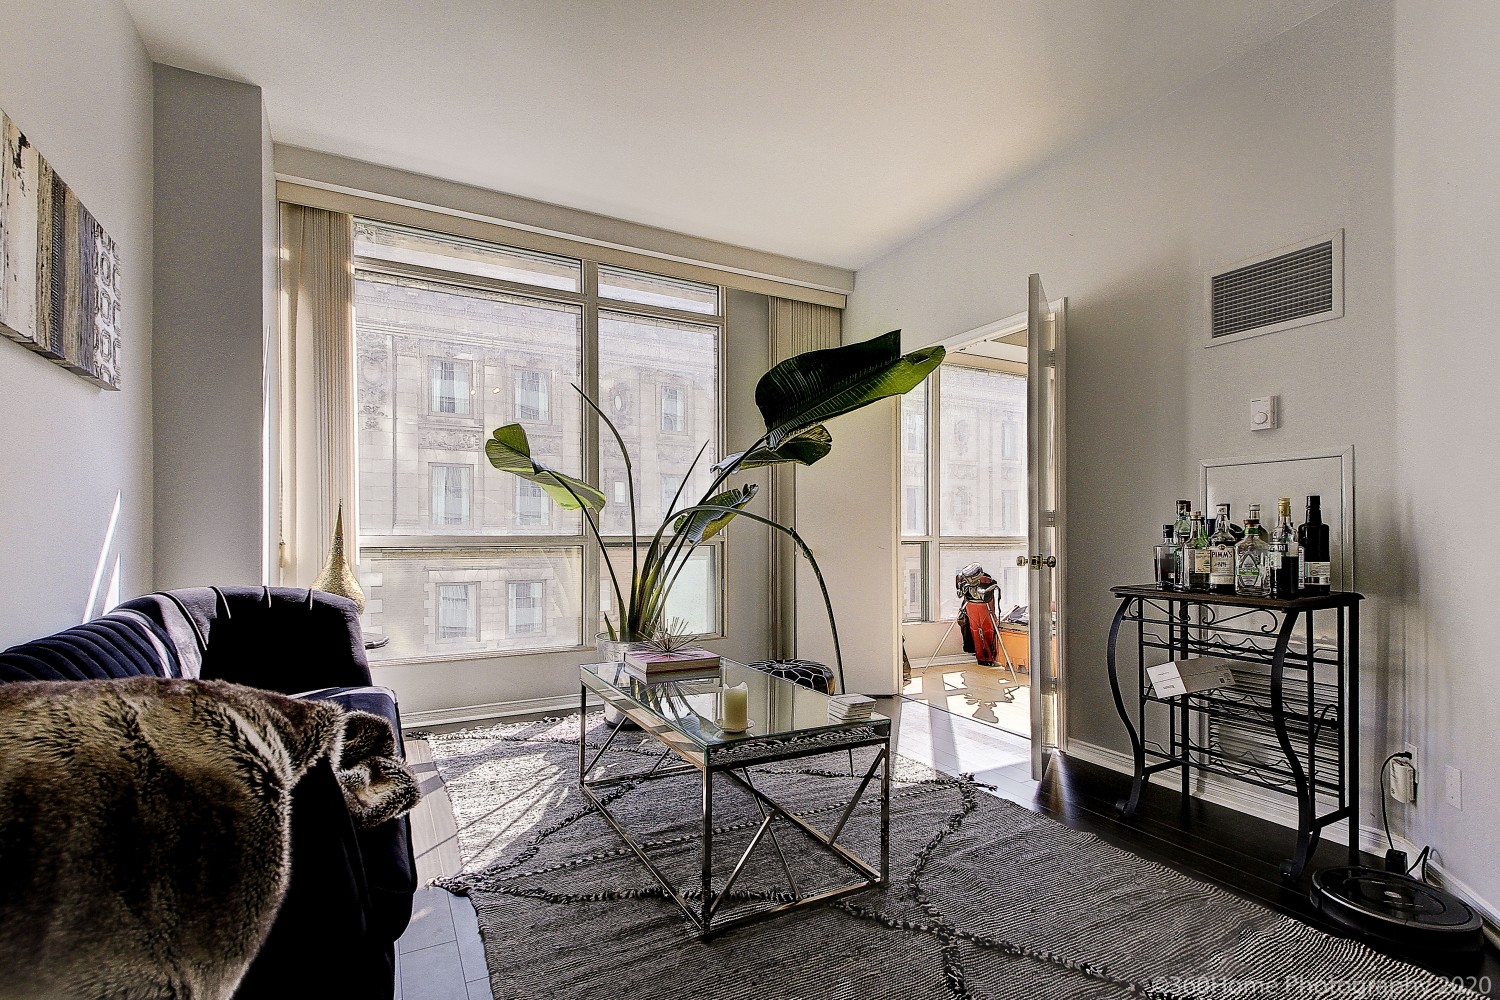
(350, 891)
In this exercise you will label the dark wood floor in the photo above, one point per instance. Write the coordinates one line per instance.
(1219, 845)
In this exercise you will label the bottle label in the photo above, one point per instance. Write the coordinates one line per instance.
(1221, 565)
(1202, 561)
(1317, 573)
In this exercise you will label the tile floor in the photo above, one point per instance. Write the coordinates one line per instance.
(440, 957)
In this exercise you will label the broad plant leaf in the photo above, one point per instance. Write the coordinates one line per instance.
(701, 525)
(509, 451)
(805, 447)
(819, 385)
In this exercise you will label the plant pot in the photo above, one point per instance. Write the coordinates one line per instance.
(609, 650)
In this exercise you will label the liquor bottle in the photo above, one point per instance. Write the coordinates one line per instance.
(1183, 528)
(1312, 535)
(1197, 556)
(1285, 553)
(1221, 555)
(1254, 515)
(1252, 559)
(1168, 558)
(1224, 520)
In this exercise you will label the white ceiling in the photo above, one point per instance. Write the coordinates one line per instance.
(831, 130)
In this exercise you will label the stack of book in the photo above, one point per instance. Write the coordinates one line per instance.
(850, 708)
(651, 664)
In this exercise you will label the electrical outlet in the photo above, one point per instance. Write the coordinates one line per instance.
(1455, 785)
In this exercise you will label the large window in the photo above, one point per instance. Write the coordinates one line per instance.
(455, 338)
(963, 486)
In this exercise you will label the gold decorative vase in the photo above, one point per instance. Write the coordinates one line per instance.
(337, 578)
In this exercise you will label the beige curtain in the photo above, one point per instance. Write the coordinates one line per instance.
(796, 327)
(316, 391)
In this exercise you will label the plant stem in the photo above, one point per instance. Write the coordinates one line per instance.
(630, 480)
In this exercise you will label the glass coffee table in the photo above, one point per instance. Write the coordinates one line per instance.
(787, 722)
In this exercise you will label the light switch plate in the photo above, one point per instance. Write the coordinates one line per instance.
(1263, 416)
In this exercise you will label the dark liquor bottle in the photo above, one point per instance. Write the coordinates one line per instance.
(1285, 553)
(1312, 535)
(1196, 555)
(1168, 553)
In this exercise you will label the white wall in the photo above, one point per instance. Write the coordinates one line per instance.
(1447, 246)
(212, 153)
(77, 80)
(1289, 142)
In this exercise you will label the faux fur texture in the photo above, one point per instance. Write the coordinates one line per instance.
(145, 825)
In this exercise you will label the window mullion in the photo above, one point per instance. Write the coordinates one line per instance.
(934, 492)
(589, 365)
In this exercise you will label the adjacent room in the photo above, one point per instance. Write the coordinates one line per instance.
(665, 500)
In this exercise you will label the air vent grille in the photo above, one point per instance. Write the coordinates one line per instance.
(1292, 287)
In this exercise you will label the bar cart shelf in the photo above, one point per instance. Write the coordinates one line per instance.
(1289, 723)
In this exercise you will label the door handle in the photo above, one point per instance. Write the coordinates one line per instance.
(1037, 562)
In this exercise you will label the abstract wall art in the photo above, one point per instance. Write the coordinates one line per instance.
(59, 270)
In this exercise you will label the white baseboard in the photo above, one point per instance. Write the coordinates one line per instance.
(1279, 809)
(493, 710)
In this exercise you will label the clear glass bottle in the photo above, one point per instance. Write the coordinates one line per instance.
(1226, 520)
(1285, 553)
(1182, 529)
(1221, 554)
(1252, 560)
(1196, 554)
(1168, 553)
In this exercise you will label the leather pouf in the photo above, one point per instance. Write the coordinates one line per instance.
(808, 673)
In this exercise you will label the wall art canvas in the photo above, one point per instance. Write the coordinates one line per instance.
(20, 217)
(59, 269)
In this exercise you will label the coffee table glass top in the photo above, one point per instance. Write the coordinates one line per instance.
(690, 703)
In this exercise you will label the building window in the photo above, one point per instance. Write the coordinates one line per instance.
(533, 396)
(621, 496)
(533, 506)
(669, 487)
(1010, 438)
(451, 386)
(458, 611)
(526, 607)
(672, 418)
(1010, 512)
(452, 485)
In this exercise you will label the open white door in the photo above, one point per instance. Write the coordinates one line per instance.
(1044, 455)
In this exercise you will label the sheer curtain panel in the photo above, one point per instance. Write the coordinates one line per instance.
(317, 422)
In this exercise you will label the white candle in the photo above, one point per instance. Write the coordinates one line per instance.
(736, 707)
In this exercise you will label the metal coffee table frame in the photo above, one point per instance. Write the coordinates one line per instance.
(733, 759)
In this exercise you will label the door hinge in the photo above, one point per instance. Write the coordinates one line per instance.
(1049, 518)
(1051, 359)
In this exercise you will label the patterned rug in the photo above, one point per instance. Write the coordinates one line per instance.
(986, 900)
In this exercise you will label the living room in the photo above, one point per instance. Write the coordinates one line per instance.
(895, 168)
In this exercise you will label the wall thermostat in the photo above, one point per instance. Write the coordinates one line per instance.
(1263, 416)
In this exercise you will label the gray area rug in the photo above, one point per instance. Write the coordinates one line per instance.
(987, 899)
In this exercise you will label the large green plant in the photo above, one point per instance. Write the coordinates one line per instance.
(795, 398)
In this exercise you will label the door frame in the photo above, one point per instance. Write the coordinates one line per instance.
(1008, 326)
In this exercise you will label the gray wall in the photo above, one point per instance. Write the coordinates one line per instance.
(75, 461)
(212, 151)
(1447, 169)
(1290, 141)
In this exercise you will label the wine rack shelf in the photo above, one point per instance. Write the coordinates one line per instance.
(1290, 721)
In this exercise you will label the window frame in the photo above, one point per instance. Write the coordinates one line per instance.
(932, 543)
(468, 502)
(473, 590)
(591, 304)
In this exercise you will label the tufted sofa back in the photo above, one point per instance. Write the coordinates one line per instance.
(269, 637)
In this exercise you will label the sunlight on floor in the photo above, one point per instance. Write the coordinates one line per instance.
(991, 695)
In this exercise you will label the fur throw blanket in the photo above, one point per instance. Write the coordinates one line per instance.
(145, 827)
